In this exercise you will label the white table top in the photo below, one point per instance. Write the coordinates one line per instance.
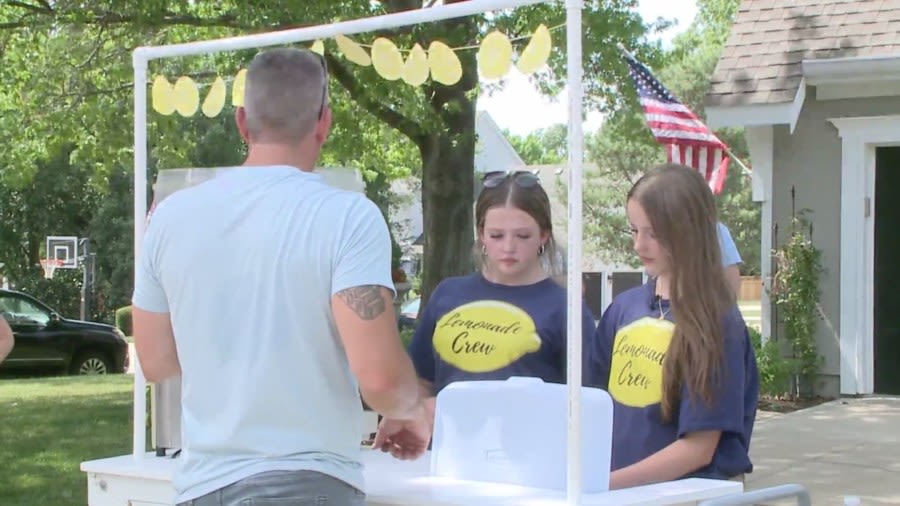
(390, 482)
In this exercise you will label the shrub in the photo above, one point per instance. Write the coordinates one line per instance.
(795, 292)
(123, 319)
(775, 371)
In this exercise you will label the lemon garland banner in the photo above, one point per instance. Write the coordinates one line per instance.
(439, 62)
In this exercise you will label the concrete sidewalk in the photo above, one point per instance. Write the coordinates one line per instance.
(844, 447)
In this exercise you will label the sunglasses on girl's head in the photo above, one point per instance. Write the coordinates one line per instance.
(521, 178)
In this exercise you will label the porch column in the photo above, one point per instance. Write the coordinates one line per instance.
(760, 141)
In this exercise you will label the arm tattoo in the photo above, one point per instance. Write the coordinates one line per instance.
(365, 301)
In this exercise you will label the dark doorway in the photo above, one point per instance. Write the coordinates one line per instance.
(887, 271)
(593, 292)
(622, 281)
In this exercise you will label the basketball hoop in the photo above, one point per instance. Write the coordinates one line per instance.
(49, 265)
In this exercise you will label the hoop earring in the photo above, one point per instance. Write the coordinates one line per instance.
(483, 250)
(541, 250)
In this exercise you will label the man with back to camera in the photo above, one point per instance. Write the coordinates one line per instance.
(270, 293)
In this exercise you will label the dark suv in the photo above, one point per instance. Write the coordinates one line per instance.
(44, 339)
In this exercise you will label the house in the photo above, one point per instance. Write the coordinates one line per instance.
(816, 85)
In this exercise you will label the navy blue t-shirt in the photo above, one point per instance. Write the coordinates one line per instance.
(473, 329)
(626, 359)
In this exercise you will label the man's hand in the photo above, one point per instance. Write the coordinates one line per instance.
(405, 439)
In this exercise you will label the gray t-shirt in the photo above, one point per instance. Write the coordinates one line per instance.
(246, 265)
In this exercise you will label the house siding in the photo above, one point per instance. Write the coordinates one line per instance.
(809, 161)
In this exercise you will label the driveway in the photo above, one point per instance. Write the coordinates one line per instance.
(840, 448)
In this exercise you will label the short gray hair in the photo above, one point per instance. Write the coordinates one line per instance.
(283, 96)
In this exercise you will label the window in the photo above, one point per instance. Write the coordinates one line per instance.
(19, 311)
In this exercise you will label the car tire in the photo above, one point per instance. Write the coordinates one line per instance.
(90, 363)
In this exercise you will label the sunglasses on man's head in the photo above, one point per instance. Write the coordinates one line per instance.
(522, 178)
(324, 82)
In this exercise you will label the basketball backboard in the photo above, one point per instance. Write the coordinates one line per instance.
(63, 249)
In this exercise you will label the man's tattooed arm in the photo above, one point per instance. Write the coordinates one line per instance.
(366, 301)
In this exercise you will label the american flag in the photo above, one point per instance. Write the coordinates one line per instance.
(688, 141)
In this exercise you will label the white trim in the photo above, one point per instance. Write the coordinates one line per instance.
(859, 138)
(835, 78)
(761, 143)
(748, 115)
(864, 89)
(785, 113)
(852, 69)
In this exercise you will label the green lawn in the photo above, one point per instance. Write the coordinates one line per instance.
(48, 426)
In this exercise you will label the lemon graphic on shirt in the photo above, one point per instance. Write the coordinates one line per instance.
(485, 336)
(638, 352)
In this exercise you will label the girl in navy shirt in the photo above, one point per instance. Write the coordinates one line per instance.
(509, 317)
(675, 354)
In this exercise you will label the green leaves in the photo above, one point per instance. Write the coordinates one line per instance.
(543, 146)
(67, 73)
(796, 291)
(625, 148)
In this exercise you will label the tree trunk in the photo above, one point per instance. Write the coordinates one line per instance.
(448, 166)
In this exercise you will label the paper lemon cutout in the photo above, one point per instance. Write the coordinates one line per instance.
(444, 64)
(163, 96)
(353, 51)
(318, 47)
(536, 52)
(187, 97)
(237, 88)
(386, 59)
(495, 55)
(415, 70)
(215, 99)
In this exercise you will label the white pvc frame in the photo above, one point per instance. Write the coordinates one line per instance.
(143, 55)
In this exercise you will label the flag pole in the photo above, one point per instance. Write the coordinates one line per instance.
(727, 150)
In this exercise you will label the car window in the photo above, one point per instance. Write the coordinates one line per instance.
(19, 311)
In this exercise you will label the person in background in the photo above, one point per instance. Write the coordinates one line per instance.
(674, 353)
(270, 293)
(731, 258)
(508, 318)
(7, 341)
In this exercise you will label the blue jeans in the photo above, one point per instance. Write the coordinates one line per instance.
(284, 488)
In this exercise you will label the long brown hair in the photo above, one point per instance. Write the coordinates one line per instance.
(532, 199)
(682, 212)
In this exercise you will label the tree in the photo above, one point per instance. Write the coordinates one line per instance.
(543, 146)
(67, 66)
(625, 148)
(621, 150)
(45, 207)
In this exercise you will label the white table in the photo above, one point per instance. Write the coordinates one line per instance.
(122, 481)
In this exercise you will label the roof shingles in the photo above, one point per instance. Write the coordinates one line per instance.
(761, 62)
